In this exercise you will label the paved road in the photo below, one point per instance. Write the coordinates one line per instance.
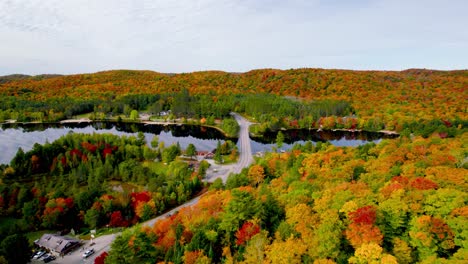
(245, 154)
(216, 171)
(245, 158)
(151, 222)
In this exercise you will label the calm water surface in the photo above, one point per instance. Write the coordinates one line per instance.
(14, 136)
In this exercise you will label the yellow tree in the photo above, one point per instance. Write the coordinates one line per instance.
(371, 253)
(289, 251)
(256, 174)
(329, 233)
(255, 249)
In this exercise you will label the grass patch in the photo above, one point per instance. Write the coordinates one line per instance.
(108, 231)
(126, 186)
(85, 115)
(227, 159)
(86, 232)
(157, 167)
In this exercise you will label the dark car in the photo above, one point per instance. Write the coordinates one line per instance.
(49, 258)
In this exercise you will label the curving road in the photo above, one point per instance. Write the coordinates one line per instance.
(221, 171)
(245, 154)
(216, 171)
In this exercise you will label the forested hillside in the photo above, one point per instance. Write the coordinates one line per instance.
(90, 181)
(381, 99)
(401, 201)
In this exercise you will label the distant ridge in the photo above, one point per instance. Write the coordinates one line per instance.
(18, 77)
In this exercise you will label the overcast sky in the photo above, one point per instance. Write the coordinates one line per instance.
(77, 36)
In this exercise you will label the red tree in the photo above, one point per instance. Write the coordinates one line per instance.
(401, 180)
(101, 258)
(140, 197)
(423, 184)
(246, 232)
(117, 220)
(364, 215)
(90, 147)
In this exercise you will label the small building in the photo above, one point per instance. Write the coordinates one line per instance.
(144, 116)
(202, 153)
(59, 245)
(205, 154)
(165, 113)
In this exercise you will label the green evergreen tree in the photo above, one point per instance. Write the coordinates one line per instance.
(217, 156)
(279, 139)
(16, 249)
(191, 151)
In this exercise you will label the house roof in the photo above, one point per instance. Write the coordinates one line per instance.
(56, 243)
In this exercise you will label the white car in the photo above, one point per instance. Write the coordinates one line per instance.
(88, 253)
(39, 254)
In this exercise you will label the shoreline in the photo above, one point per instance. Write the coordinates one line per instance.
(384, 132)
(81, 120)
(166, 123)
(144, 122)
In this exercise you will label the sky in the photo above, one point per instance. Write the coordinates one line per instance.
(81, 36)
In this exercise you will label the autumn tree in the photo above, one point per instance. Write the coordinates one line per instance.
(371, 253)
(431, 236)
(255, 249)
(289, 251)
(116, 219)
(247, 231)
(101, 258)
(241, 207)
(362, 229)
(256, 174)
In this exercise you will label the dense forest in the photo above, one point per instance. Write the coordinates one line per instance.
(402, 200)
(84, 182)
(420, 100)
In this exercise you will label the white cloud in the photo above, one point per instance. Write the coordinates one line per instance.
(68, 36)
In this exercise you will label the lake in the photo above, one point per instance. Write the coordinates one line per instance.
(14, 136)
(338, 138)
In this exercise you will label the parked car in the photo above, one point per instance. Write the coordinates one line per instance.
(88, 253)
(49, 258)
(39, 254)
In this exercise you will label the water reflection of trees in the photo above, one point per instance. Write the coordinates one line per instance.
(199, 132)
(195, 131)
(294, 135)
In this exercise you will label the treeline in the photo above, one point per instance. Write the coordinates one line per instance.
(263, 108)
(51, 110)
(272, 112)
(401, 97)
(401, 201)
(88, 181)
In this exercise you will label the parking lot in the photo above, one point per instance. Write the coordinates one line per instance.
(100, 245)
